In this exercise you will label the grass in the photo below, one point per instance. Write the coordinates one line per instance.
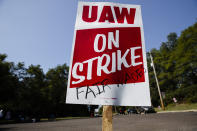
(62, 118)
(42, 120)
(178, 107)
(7, 121)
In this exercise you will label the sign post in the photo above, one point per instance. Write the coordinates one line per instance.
(108, 61)
(107, 118)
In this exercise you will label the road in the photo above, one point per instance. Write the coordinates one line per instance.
(184, 121)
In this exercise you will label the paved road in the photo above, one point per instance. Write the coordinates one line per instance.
(185, 121)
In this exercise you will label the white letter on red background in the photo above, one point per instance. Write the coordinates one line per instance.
(74, 73)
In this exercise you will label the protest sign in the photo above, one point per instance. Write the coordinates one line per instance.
(108, 62)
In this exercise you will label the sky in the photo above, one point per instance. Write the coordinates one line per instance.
(40, 32)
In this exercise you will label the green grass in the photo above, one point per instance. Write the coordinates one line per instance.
(43, 119)
(63, 118)
(7, 121)
(179, 107)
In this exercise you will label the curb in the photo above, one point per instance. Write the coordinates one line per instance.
(193, 110)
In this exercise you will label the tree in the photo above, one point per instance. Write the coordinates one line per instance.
(8, 83)
(185, 56)
(32, 97)
(176, 66)
(57, 85)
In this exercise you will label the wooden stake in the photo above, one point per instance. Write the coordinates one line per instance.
(107, 118)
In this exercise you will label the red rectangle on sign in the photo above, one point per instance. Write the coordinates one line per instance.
(107, 56)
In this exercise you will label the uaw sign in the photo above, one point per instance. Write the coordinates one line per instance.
(108, 61)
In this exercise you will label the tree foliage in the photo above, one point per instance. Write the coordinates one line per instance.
(31, 92)
(176, 66)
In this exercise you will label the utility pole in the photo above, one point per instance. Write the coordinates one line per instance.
(161, 99)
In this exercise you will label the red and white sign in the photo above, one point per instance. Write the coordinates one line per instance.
(108, 62)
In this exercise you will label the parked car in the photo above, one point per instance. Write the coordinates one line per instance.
(132, 111)
(145, 109)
